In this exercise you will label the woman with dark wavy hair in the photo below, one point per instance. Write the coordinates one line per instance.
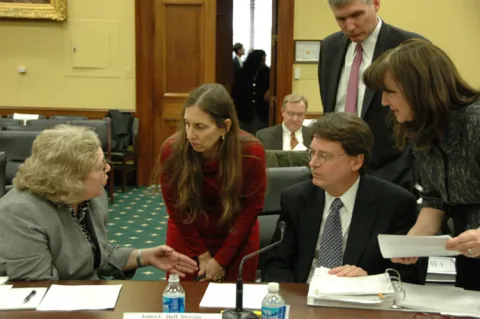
(213, 178)
(438, 112)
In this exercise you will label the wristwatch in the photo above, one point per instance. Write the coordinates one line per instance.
(139, 255)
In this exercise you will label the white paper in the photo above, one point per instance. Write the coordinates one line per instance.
(396, 246)
(453, 300)
(154, 315)
(3, 280)
(223, 296)
(441, 265)
(13, 298)
(325, 284)
(82, 297)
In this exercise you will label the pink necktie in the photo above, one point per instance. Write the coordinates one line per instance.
(352, 90)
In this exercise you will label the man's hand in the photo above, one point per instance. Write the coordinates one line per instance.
(348, 271)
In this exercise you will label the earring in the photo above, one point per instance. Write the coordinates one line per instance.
(223, 137)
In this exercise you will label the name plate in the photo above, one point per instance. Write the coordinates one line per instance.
(159, 315)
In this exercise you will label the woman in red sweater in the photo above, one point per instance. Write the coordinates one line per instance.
(213, 180)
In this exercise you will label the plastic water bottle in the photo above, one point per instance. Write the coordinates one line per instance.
(273, 305)
(173, 296)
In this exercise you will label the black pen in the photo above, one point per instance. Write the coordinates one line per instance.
(200, 278)
(30, 295)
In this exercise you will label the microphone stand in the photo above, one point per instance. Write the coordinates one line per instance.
(239, 312)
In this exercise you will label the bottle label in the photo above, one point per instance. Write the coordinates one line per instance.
(174, 305)
(274, 313)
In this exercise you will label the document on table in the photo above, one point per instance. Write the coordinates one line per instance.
(454, 301)
(14, 298)
(159, 315)
(81, 297)
(3, 280)
(223, 296)
(396, 246)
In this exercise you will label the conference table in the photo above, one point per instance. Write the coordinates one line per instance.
(146, 296)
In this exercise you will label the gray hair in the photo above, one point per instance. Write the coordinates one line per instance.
(295, 98)
(342, 3)
(61, 159)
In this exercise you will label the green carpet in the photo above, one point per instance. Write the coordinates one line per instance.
(138, 219)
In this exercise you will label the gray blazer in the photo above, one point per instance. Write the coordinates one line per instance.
(39, 241)
(272, 137)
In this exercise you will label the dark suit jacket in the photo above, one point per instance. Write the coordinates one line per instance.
(380, 208)
(272, 137)
(236, 66)
(387, 162)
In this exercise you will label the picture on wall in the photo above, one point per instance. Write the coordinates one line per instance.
(34, 9)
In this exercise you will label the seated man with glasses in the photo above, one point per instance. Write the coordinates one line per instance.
(333, 220)
(291, 134)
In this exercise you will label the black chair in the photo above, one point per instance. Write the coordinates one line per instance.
(46, 123)
(3, 177)
(18, 147)
(103, 130)
(278, 158)
(68, 117)
(126, 162)
(279, 178)
(6, 122)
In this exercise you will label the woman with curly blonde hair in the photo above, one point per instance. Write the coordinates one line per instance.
(54, 219)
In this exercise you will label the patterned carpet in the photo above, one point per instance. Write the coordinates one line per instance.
(138, 219)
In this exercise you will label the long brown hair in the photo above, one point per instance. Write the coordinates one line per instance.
(430, 83)
(183, 169)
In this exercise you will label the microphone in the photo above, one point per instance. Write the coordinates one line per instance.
(239, 312)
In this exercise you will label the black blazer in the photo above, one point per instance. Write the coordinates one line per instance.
(387, 161)
(380, 208)
(272, 137)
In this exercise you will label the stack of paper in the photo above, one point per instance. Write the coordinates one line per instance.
(69, 298)
(16, 298)
(441, 269)
(364, 290)
(453, 301)
(398, 246)
(223, 296)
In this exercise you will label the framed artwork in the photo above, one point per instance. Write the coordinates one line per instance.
(34, 9)
(307, 51)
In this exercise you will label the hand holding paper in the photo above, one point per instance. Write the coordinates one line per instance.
(401, 246)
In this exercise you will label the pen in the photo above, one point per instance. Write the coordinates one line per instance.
(30, 295)
(200, 277)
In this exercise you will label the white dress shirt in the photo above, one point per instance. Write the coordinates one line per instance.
(239, 60)
(287, 138)
(368, 47)
(346, 211)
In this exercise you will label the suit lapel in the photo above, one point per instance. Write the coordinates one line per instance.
(380, 47)
(311, 225)
(306, 136)
(363, 219)
(337, 68)
(277, 138)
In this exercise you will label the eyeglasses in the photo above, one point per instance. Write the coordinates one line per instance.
(293, 114)
(322, 157)
(104, 166)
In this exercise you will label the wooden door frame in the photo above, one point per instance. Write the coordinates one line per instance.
(145, 98)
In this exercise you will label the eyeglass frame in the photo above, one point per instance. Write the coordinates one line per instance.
(321, 157)
(297, 114)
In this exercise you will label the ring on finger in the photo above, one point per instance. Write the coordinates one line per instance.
(470, 252)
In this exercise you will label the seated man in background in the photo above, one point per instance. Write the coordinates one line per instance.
(291, 134)
(53, 222)
(333, 221)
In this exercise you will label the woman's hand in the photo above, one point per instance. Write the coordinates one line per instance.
(348, 271)
(214, 271)
(467, 243)
(167, 259)
(203, 259)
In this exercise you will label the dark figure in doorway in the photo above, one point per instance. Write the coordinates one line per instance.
(251, 92)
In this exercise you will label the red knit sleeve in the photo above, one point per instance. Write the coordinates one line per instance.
(194, 244)
(254, 184)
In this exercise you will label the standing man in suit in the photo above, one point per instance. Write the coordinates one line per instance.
(291, 134)
(344, 56)
(334, 219)
(239, 51)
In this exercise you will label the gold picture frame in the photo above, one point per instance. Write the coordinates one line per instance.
(34, 9)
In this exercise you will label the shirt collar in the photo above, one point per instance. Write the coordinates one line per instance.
(368, 45)
(287, 131)
(348, 198)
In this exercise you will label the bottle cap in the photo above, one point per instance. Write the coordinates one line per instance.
(273, 287)
(173, 278)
